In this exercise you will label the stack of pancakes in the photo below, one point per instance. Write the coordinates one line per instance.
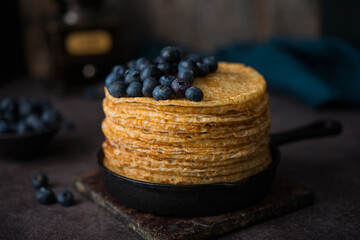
(223, 138)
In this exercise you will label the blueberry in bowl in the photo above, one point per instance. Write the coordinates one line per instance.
(26, 127)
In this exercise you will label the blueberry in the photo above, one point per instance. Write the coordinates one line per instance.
(166, 68)
(50, 117)
(170, 54)
(24, 107)
(45, 195)
(34, 122)
(8, 105)
(203, 69)
(211, 62)
(179, 86)
(110, 79)
(193, 57)
(22, 127)
(131, 76)
(188, 75)
(188, 65)
(65, 198)
(134, 89)
(148, 86)
(158, 59)
(4, 127)
(131, 65)
(142, 62)
(162, 92)
(194, 94)
(118, 89)
(10, 116)
(117, 74)
(150, 71)
(119, 71)
(39, 180)
(167, 80)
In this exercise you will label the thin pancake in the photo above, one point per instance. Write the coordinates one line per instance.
(233, 83)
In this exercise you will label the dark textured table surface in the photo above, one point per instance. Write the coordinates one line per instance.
(329, 166)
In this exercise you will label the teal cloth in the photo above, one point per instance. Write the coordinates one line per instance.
(314, 71)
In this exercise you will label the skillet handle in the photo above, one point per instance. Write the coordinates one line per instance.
(322, 128)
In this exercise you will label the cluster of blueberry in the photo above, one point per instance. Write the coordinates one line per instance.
(45, 195)
(143, 77)
(23, 115)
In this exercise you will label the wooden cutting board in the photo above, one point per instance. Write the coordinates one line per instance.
(284, 197)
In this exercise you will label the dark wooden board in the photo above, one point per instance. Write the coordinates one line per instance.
(284, 197)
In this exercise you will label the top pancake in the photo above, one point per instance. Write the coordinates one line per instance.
(232, 83)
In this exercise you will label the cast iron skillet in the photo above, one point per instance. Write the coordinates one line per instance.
(207, 199)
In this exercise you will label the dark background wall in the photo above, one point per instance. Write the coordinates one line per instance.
(201, 25)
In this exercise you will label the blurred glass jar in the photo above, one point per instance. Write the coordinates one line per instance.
(85, 42)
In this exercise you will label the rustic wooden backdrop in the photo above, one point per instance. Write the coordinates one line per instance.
(201, 25)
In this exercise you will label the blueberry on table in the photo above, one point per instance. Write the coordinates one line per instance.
(150, 71)
(39, 180)
(170, 54)
(148, 86)
(118, 89)
(162, 92)
(179, 87)
(45, 196)
(167, 80)
(65, 198)
(134, 89)
(4, 127)
(132, 76)
(194, 94)
(188, 75)
(211, 62)
(203, 69)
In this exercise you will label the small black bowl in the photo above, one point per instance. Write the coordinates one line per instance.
(27, 145)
